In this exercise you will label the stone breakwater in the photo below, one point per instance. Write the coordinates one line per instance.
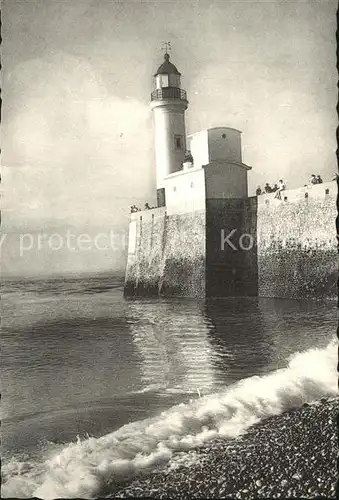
(257, 246)
(290, 455)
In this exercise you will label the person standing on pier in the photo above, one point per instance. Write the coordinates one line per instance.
(281, 187)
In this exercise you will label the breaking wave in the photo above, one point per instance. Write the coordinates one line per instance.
(84, 468)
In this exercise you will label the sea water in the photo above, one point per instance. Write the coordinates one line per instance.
(96, 388)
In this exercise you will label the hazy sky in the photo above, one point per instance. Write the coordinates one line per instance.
(77, 132)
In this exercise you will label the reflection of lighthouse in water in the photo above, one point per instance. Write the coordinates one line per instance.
(173, 344)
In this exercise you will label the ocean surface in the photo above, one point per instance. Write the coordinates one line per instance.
(96, 388)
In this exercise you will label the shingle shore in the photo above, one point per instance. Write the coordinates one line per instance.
(290, 455)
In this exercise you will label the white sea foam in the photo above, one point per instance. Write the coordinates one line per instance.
(81, 469)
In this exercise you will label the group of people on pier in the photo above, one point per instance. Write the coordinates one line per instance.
(316, 179)
(277, 188)
(281, 186)
(134, 208)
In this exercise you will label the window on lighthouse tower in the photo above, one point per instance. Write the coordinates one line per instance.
(178, 142)
(174, 81)
(161, 81)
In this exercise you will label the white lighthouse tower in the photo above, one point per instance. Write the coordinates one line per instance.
(169, 103)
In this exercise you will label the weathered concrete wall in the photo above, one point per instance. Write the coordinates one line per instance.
(166, 254)
(231, 251)
(144, 260)
(297, 255)
(184, 256)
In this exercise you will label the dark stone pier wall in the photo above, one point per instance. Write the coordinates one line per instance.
(231, 247)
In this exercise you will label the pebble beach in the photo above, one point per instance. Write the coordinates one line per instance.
(292, 455)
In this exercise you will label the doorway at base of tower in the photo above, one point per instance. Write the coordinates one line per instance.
(161, 197)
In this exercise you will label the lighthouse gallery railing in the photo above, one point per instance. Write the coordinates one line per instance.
(168, 93)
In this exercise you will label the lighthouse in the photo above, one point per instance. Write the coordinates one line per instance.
(169, 103)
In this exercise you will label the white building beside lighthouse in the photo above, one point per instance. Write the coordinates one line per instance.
(191, 169)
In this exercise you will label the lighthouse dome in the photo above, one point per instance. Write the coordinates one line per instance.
(167, 68)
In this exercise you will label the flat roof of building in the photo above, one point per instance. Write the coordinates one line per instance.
(215, 128)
